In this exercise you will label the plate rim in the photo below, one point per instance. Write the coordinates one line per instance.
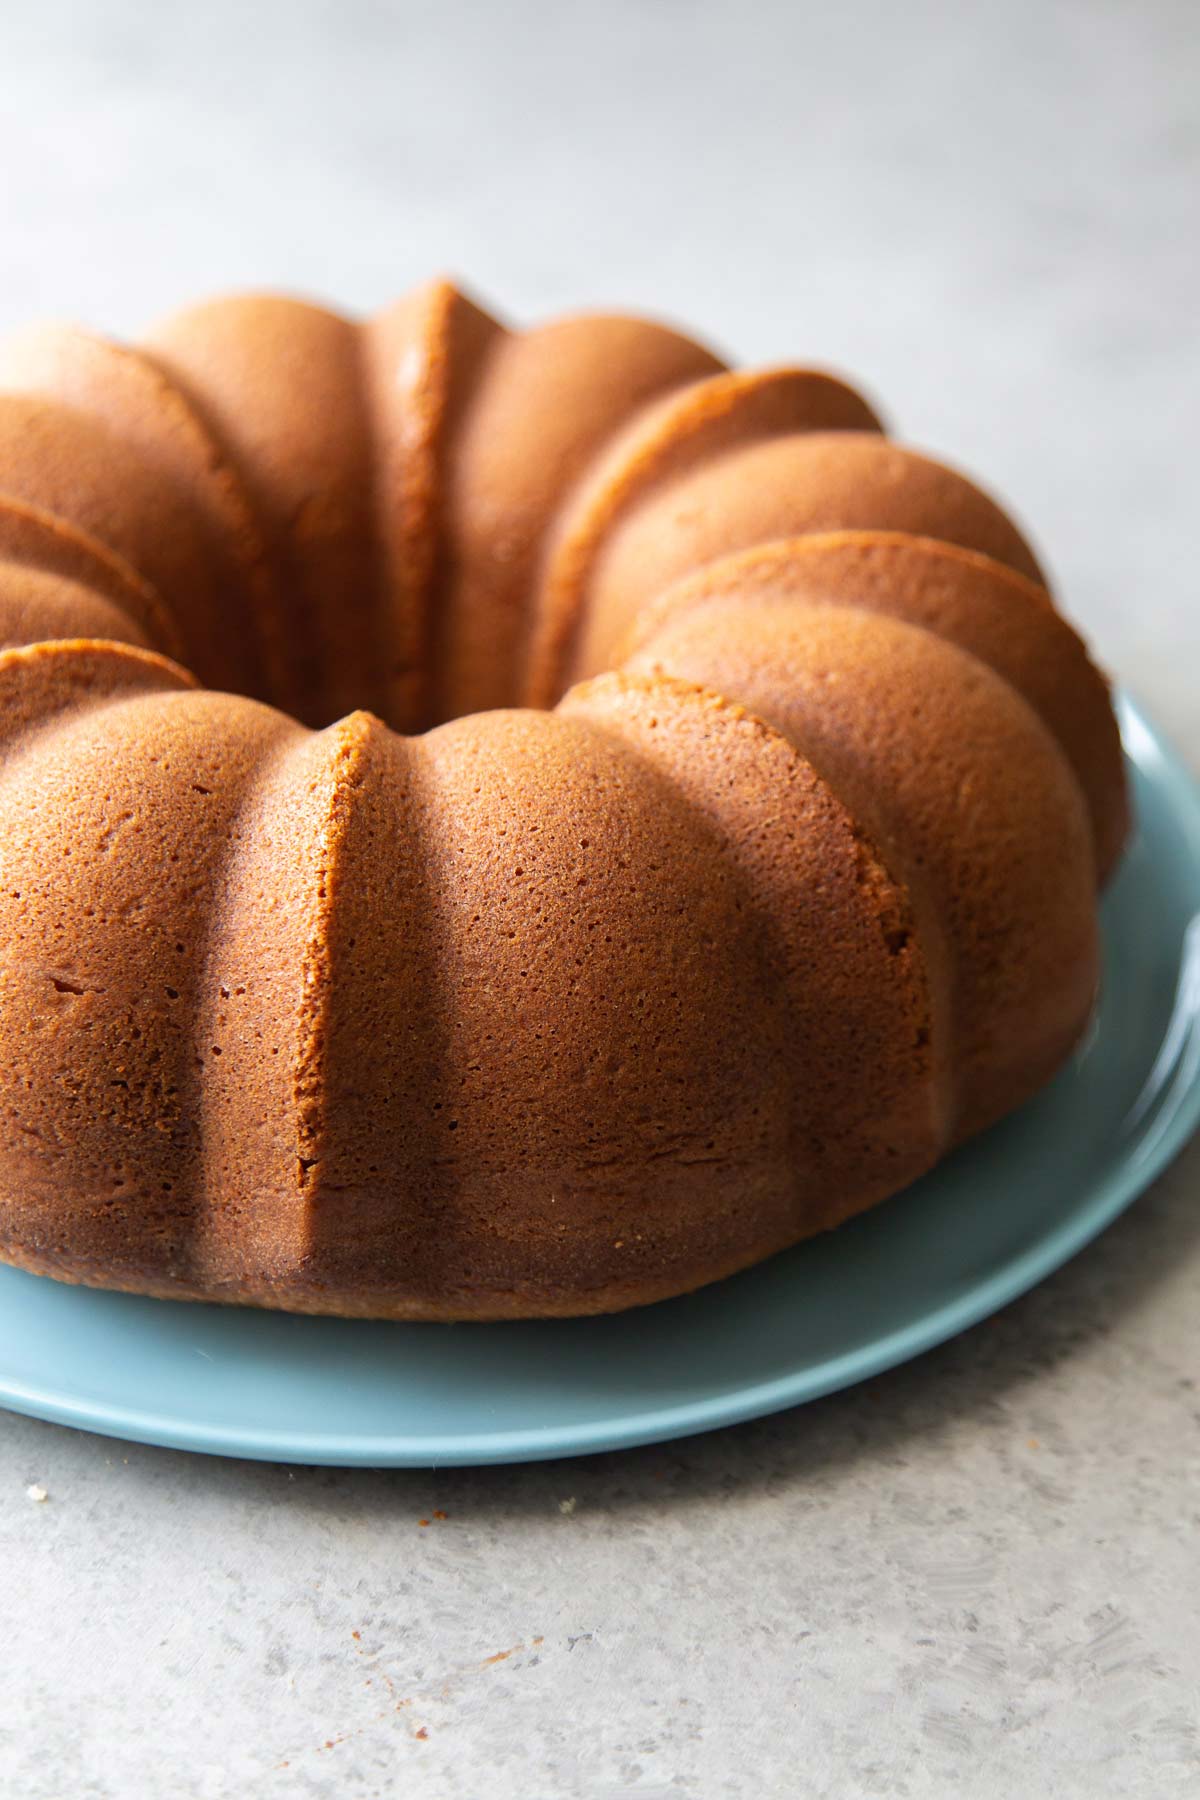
(1111, 1195)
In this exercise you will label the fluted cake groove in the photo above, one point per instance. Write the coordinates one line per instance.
(707, 836)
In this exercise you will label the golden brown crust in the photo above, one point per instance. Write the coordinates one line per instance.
(371, 1297)
(43, 544)
(277, 383)
(783, 486)
(421, 355)
(36, 606)
(681, 434)
(539, 1013)
(870, 1098)
(70, 464)
(139, 405)
(533, 415)
(968, 796)
(544, 1050)
(1005, 619)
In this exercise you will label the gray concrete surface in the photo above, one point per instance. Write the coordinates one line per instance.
(976, 1576)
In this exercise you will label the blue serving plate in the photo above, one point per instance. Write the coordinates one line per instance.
(993, 1220)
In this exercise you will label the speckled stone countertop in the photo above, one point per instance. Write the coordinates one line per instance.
(976, 1576)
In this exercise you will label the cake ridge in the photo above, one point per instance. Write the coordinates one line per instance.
(39, 540)
(132, 398)
(958, 801)
(682, 430)
(634, 704)
(782, 485)
(403, 374)
(987, 609)
(73, 665)
(534, 412)
(459, 343)
(250, 984)
(276, 382)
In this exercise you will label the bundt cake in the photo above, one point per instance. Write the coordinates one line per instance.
(706, 840)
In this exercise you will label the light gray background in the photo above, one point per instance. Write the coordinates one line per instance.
(977, 1576)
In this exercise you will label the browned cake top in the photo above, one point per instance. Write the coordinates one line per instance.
(708, 835)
